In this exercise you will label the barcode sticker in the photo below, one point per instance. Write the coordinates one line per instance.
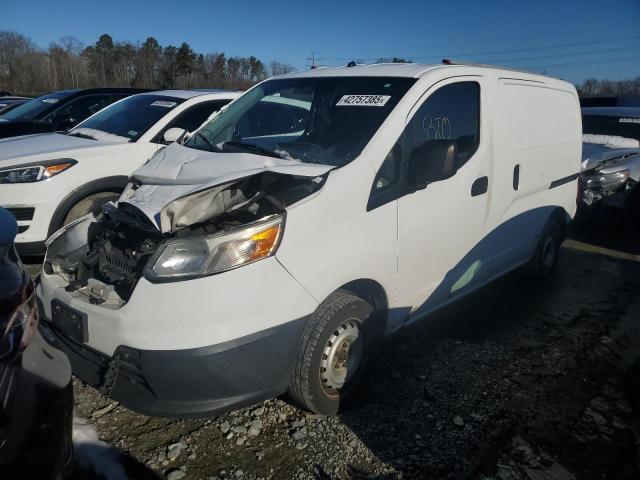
(363, 100)
(163, 103)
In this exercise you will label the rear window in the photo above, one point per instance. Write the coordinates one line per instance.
(627, 127)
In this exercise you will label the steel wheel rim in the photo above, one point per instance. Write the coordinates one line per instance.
(341, 356)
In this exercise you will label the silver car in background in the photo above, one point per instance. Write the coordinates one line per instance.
(610, 159)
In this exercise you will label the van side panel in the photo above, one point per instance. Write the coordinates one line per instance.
(537, 144)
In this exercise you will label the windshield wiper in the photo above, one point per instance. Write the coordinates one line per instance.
(81, 135)
(251, 148)
(206, 140)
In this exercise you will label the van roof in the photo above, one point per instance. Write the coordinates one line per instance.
(412, 70)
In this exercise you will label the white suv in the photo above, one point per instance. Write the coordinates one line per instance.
(274, 249)
(48, 180)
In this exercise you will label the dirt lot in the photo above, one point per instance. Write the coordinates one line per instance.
(520, 381)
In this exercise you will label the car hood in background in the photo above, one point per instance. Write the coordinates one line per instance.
(594, 154)
(46, 146)
(14, 128)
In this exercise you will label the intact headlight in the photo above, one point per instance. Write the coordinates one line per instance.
(35, 173)
(200, 256)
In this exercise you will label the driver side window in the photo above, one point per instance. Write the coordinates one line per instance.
(78, 110)
(449, 118)
(451, 114)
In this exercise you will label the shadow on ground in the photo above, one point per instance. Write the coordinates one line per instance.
(511, 368)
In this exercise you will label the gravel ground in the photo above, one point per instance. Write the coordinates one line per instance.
(521, 380)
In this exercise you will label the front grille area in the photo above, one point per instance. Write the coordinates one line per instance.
(22, 213)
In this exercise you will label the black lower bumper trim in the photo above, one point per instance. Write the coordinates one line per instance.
(27, 249)
(190, 383)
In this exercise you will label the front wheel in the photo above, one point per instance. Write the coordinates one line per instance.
(335, 351)
(91, 204)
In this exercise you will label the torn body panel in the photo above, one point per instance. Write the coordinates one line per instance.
(609, 174)
(182, 186)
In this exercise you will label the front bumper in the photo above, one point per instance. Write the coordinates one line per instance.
(44, 198)
(190, 348)
(190, 383)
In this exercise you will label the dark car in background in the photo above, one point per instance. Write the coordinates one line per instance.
(587, 102)
(59, 111)
(8, 102)
(36, 397)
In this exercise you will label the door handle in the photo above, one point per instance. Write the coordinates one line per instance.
(516, 177)
(480, 186)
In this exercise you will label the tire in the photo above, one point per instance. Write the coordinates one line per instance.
(583, 214)
(312, 385)
(545, 258)
(91, 204)
(632, 207)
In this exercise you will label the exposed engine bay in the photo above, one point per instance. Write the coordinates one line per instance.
(102, 259)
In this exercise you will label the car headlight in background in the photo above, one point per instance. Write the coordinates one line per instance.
(35, 173)
(200, 256)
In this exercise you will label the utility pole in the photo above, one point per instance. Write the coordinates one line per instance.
(312, 60)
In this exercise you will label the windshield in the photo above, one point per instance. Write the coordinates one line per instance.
(627, 127)
(32, 109)
(327, 120)
(128, 119)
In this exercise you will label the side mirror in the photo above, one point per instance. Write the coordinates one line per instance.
(173, 134)
(63, 123)
(432, 161)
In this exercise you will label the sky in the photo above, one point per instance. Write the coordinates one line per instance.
(572, 39)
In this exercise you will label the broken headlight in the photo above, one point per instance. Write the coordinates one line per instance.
(200, 256)
(605, 182)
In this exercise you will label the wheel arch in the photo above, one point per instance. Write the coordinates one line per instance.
(107, 184)
(373, 292)
(563, 218)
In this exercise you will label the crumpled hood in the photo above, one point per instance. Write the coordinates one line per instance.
(45, 146)
(182, 186)
(593, 154)
(179, 165)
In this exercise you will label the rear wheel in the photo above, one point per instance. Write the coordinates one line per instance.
(632, 206)
(544, 260)
(335, 351)
(91, 204)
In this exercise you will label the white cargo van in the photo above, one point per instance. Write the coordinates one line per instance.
(321, 211)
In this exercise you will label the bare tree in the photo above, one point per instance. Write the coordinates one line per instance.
(67, 63)
(277, 68)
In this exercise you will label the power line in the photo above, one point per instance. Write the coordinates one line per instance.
(565, 55)
(587, 62)
(499, 52)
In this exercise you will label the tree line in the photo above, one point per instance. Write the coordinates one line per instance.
(609, 88)
(67, 63)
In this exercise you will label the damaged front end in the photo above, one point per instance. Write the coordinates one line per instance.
(609, 174)
(204, 232)
(606, 186)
